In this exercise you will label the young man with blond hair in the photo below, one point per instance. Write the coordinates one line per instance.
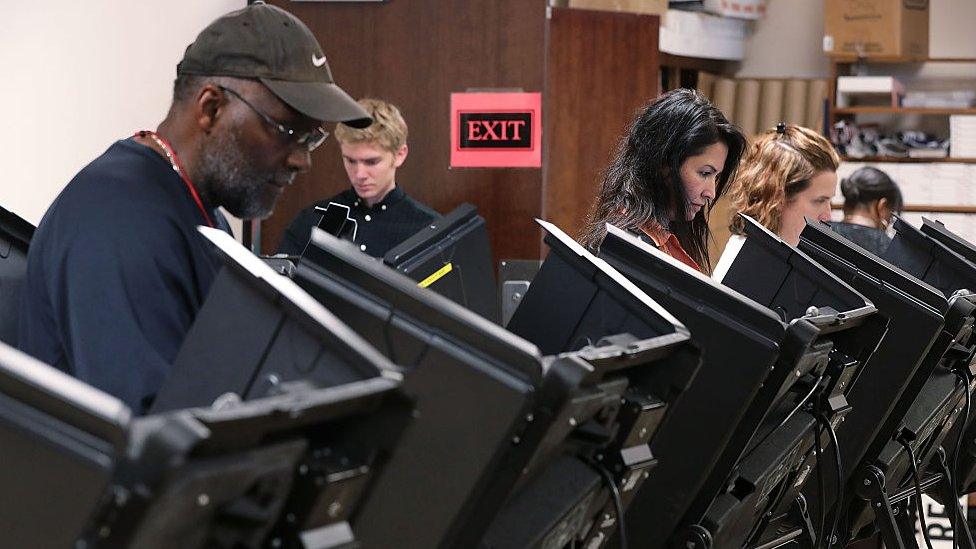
(384, 214)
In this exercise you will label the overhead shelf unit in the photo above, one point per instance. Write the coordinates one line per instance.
(850, 65)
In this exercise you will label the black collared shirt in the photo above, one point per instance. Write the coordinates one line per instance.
(389, 222)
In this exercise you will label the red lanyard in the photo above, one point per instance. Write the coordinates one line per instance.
(179, 169)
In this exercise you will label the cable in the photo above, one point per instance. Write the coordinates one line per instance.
(962, 428)
(617, 503)
(840, 479)
(918, 490)
(840, 476)
(944, 465)
(793, 411)
(822, 483)
(955, 457)
(954, 479)
(802, 402)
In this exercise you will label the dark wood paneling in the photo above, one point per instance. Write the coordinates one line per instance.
(414, 53)
(714, 66)
(601, 68)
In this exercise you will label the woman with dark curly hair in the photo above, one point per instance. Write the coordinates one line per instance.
(669, 169)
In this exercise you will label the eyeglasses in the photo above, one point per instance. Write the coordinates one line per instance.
(311, 140)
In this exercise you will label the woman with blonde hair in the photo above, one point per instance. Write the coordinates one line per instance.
(789, 175)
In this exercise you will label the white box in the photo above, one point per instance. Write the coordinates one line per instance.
(868, 84)
(695, 34)
(884, 88)
(740, 9)
(927, 153)
(698, 22)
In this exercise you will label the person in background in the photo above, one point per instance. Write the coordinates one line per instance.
(871, 198)
(385, 216)
(675, 161)
(788, 176)
(117, 270)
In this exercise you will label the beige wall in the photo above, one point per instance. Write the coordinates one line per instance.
(79, 75)
(788, 42)
(951, 28)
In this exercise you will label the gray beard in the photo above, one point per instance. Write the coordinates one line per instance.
(233, 180)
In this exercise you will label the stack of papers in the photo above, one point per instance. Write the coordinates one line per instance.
(962, 136)
(960, 99)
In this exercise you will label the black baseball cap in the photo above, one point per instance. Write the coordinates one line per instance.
(271, 45)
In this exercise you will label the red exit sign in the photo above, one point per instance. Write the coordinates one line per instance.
(496, 130)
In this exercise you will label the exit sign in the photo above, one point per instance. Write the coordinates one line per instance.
(496, 130)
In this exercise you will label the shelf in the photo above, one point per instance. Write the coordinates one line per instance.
(925, 208)
(901, 110)
(942, 209)
(946, 160)
(835, 113)
(850, 59)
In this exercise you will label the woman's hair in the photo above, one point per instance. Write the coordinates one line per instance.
(779, 164)
(868, 185)
(643, 183)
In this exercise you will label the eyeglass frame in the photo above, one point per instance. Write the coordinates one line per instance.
(311, 143)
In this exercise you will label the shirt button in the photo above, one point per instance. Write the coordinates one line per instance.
(383, 207)
(368, 218)
(362, 247)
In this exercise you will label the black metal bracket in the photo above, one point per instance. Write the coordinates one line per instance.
(873, 486)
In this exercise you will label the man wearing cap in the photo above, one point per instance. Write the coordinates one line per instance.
(117, 270)
(385, 216)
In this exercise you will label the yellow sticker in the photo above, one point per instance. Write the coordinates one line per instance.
(438, 274)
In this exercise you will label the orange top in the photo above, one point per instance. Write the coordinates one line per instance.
(668, 243)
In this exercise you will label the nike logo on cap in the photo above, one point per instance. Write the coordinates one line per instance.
(318, 61)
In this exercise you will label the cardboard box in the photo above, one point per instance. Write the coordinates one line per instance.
(646, 7)
(877, 28)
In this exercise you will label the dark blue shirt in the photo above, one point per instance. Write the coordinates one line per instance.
(116, 273)
(869, 238)
(379, 228)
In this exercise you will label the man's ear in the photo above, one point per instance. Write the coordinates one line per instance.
(400, 155)
(208, 106)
